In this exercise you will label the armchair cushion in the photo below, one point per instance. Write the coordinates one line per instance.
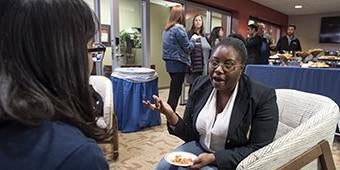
(305, 119)
(103, 86)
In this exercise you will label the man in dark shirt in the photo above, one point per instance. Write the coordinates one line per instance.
(265, 43)
(254, 42)
(288, 42)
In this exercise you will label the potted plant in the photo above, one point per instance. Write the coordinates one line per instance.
(129, 40)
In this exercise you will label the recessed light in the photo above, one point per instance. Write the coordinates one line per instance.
(298, 6)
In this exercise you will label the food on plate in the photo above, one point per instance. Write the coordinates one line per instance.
(180, 160)
(318, 64)
(315, 50)
(285, 56)
(274, 57)
(302, 54)
(331, 57)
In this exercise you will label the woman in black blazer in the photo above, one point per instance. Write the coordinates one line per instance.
(227, 117)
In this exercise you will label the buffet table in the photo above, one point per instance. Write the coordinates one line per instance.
(324, 81)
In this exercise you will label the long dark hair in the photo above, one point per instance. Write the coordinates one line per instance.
(214, 35)
(176, 16)
(192, 29)
(44, 63)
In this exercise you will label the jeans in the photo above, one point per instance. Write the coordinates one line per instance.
(176, 83)
(192, 147)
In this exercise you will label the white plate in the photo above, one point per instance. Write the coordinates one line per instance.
(170, 157)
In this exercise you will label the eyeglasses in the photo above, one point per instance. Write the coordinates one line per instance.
(227, 66)
(98, 51)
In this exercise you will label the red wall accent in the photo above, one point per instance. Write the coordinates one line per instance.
(242, 10)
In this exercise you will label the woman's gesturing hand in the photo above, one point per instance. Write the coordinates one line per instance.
(202, 160)
(162, 107)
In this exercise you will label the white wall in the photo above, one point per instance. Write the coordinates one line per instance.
(216, 20)
(158, 18)
(308, 30)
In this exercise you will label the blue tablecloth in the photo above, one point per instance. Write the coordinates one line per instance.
(324, 81)
(132, 115)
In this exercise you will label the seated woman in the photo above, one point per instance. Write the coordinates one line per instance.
(228, 115)
(46, 115)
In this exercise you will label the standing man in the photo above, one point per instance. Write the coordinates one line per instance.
(265, 42)
(254, 42)
(289, 42)
(262, 31)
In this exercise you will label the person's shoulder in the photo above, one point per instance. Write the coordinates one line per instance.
(258, 36)
(190, 33)
(66, 137)
(77, 150)
(284, 37)
(256, 88)
(64, 130)
(179, 27)
(201, 82)
(281, 39)
(296, 39)
(86, 156)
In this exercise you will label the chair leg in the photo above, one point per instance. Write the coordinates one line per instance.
(115, 155)
(115, 146)
(115, 140)
(326, 159)
(321, 150)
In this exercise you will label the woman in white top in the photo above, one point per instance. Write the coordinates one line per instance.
(199, 55)
(227, 117)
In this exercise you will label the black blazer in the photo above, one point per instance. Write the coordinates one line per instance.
(254, 49)
(294, 45)
(253, 121)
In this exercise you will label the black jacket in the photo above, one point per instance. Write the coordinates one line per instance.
(255, 109)
(294, 45)
(253, 49)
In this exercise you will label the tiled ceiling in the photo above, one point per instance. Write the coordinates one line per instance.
(308, 6)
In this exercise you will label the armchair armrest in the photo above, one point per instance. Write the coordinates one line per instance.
(320, 126)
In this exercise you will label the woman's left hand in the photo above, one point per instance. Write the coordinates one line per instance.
(203, 160)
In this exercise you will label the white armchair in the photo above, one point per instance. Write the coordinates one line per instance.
(305, 120)
(103, 86)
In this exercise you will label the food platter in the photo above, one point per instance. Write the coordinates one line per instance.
(184, 159)
(302, 54)
(318, 65)
(315, 51)
(332, 61)
(329, 58)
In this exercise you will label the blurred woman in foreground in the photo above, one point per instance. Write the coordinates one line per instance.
(46, 117)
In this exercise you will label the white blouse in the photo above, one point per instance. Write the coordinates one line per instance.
(213, 135)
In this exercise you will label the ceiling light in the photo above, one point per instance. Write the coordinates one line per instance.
(164, 3)
(298, 6)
